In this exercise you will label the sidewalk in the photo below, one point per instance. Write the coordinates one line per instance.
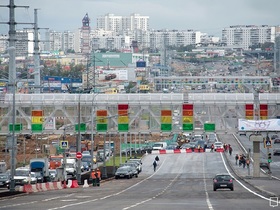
(263, 183)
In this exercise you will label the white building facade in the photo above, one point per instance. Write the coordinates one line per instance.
(110, 22)
(244, 36)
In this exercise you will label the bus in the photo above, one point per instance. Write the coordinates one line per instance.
(112, 91)
(144, 88)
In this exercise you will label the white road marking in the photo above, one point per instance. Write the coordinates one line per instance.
(251, 191)
(205, 187)
(19, 204)
(58, 197)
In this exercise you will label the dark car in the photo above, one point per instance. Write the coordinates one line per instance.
(134, 166)
(223, 181)
(276, 151)
(124, 172)
(276, 141)
(147, 149)
(4, 180)
(39, 177)
(186, 146)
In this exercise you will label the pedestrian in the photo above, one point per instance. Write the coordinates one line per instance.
(157, 158)
(236, 158)
(230, 150)
(247, 162)
(155, 165)
(240, 160)
(212, 147)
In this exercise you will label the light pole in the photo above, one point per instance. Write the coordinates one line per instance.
(78, 142)
(12, 83)
(92, 136)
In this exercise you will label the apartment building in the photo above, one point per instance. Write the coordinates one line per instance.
(59, 41)
(110, 22)
(244, 36)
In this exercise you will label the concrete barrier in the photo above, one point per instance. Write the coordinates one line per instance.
(74, 184)
(85, 183)
(39, 187)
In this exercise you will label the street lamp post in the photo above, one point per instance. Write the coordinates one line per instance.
(78, 142)
(92, 136)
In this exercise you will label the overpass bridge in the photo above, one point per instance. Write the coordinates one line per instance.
(61, 111)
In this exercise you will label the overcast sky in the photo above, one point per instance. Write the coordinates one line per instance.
(209, 16)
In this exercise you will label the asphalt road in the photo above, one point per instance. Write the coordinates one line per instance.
(182, 181)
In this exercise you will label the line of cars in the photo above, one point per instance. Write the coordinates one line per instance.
(131, 168)
(197, 141)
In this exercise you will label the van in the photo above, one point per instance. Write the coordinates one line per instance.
(159, 145)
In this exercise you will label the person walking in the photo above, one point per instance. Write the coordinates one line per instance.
(229, 150)
(157, 158)
(236, 158)
(212, 147)
(155, 165)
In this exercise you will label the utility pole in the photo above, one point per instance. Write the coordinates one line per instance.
(78, 142)
(37, 75)
(12, 82)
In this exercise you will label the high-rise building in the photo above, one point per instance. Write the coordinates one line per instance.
(4, 43)
(110, 22)
(243, 36)
(68, 41)
(55, 40)
(24, 42)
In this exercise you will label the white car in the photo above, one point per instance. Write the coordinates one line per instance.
(218, 145)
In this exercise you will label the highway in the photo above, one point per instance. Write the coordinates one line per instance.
(182, 181)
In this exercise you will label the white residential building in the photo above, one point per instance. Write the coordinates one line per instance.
(110, 22)
(243, 36)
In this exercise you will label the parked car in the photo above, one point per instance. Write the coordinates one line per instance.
(138, 162)
(147, 149)
(124, 172)
(4, 180)
(277, 141)
(134, 167)
(276, 151)
(223, 181)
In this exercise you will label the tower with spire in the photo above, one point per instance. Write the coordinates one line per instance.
(85, 35)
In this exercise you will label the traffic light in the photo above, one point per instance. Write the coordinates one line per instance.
(269, 157)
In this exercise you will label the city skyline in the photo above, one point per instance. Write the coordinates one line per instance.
(210, 17)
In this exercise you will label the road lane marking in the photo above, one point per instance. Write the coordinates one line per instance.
(58, 197)
(205, 187)
(160, 193)
(19, 204)
(251, 191)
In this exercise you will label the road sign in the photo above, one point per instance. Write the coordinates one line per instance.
(79, 155)
(268, 143)
(64, 144)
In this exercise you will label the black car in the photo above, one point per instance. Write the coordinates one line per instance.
(124, 172)
(276, 151)
(223, 181)
(147, 149)
(4, 180)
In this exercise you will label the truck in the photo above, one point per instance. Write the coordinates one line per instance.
(41, 167)
(55, 161)
(71, 166)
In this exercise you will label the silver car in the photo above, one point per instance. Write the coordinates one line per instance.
(124, 172)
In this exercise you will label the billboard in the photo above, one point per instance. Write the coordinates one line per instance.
(259, 125)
